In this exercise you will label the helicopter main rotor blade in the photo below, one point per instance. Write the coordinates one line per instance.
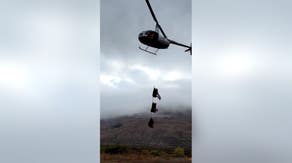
(154, 18)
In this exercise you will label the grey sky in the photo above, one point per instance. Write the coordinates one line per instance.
(128, 74)
(48, 81)
(242, 81)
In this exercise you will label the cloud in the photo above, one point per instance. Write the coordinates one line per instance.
(110, 80)
(153, 74)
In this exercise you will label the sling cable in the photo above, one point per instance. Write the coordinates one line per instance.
(155, 96)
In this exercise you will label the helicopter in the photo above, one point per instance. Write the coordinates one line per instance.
(153, 38)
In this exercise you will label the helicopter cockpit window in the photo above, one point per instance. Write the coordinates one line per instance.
(150, 35)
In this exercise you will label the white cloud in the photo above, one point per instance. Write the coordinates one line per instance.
(153, 74)
(175, 75)
(110, 80)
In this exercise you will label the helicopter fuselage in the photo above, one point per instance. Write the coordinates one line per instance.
(153, 39)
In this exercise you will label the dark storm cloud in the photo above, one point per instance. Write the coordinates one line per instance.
(128, 74)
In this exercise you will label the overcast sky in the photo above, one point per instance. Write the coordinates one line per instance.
(241, 76)
(48, 81)
(242, 81)
(128, 74)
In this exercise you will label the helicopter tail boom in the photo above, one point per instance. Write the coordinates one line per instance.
(189, 48)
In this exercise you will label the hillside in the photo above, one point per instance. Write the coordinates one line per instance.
(171, 129)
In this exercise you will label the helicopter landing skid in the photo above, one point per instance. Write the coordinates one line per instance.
(148, 51)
